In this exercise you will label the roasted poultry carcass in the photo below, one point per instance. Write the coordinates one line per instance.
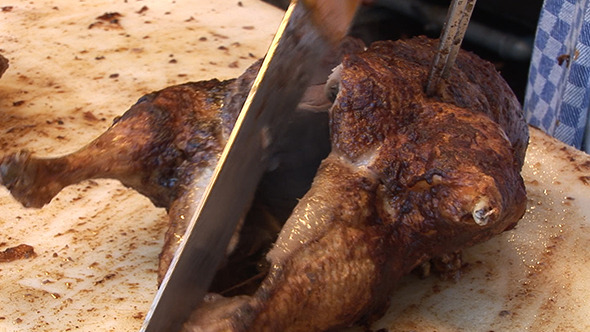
(409, 178)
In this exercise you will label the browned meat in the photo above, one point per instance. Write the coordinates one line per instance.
(21, 251)
(409, 178)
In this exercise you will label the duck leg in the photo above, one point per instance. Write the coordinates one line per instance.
(143, 149)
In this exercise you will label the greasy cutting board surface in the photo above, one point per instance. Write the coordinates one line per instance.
(97, 242)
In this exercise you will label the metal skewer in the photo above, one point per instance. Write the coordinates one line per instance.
(451, 38)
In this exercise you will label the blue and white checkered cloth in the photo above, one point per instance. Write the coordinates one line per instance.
(558, 91)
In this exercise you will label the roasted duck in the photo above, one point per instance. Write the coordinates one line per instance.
(409, 178)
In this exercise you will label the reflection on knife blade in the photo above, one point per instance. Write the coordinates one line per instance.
(284, 74)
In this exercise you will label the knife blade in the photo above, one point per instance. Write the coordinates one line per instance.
(307, 31)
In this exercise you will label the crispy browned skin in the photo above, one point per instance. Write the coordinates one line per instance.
(21, 251)
(165, 147)
(473, 84)
(147, 159)
(409, 178)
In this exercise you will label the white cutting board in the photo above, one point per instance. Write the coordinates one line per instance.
(97, 242)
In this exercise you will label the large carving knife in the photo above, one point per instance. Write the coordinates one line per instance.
(308, 31)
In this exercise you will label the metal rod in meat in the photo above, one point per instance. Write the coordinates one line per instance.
(451, 38)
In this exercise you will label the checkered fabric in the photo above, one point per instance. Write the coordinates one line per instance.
(558, 91)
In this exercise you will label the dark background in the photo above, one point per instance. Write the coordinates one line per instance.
(501, 31)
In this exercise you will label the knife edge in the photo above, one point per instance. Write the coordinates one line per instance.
(279, 85)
